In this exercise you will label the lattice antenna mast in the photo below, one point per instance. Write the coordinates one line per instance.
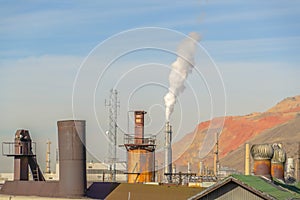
(113, 105)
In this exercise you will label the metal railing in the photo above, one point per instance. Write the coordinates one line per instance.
(8, 148)
(131, 139)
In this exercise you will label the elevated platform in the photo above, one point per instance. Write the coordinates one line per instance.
(132, 142)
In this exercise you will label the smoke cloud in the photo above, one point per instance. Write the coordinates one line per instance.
(180, 70)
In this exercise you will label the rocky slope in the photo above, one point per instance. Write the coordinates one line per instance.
(278, 124)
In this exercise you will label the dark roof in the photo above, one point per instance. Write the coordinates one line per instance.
(262, 187)
(143, 191)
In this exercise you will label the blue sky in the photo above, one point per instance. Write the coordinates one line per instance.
(255, 45)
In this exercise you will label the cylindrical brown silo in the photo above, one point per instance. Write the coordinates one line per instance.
(278, 162)
(262, 154)
(72, 158)
(141, 166)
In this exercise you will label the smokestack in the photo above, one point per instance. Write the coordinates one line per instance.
(278, 161)
(168, 152)
(48, 170)
(262, 154)
(72, 158)
(247, 159)
(180, 70)
(139, 126)
(140, 153)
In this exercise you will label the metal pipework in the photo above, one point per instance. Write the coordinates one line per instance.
(262, 154)
(168, 152)
(72, 158)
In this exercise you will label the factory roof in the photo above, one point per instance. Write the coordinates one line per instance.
(260, 187)
(148, 191)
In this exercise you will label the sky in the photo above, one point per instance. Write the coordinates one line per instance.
(59, 59)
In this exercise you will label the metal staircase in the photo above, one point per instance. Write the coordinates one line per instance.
(22, 151)
(37, 174)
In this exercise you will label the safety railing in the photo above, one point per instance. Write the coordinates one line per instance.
(18, 148)
(131, 139)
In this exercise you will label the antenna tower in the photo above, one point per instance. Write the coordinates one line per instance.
(113, 104)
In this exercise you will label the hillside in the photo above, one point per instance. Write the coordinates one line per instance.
(281, 123)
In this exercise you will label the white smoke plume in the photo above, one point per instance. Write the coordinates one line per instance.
(180, 70)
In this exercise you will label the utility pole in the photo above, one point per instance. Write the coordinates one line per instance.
(113, 104)
(216, 157)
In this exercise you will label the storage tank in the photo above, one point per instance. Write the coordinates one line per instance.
(262, 154)
(72, 158)
(140, 166)
(278, 162)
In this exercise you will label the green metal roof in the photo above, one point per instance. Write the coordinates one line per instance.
(275, 189)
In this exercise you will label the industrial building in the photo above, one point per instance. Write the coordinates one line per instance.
(249, 187)
(77, 178)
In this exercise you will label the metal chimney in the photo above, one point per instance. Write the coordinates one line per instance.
(72, 158)
(168, 152)
(139, 126)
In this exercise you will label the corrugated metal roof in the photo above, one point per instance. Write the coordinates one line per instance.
(264, 188)
(274, 188)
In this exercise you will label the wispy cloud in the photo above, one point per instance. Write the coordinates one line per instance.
(268, 49)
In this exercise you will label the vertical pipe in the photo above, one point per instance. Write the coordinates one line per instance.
(56, 164)
(247, 159)
(298, 163)
(174, 169)
(72, 158)
(48, 157)
(215, 164)
(201, 168)
(168, 152)
(139, 126)
(189, 170)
